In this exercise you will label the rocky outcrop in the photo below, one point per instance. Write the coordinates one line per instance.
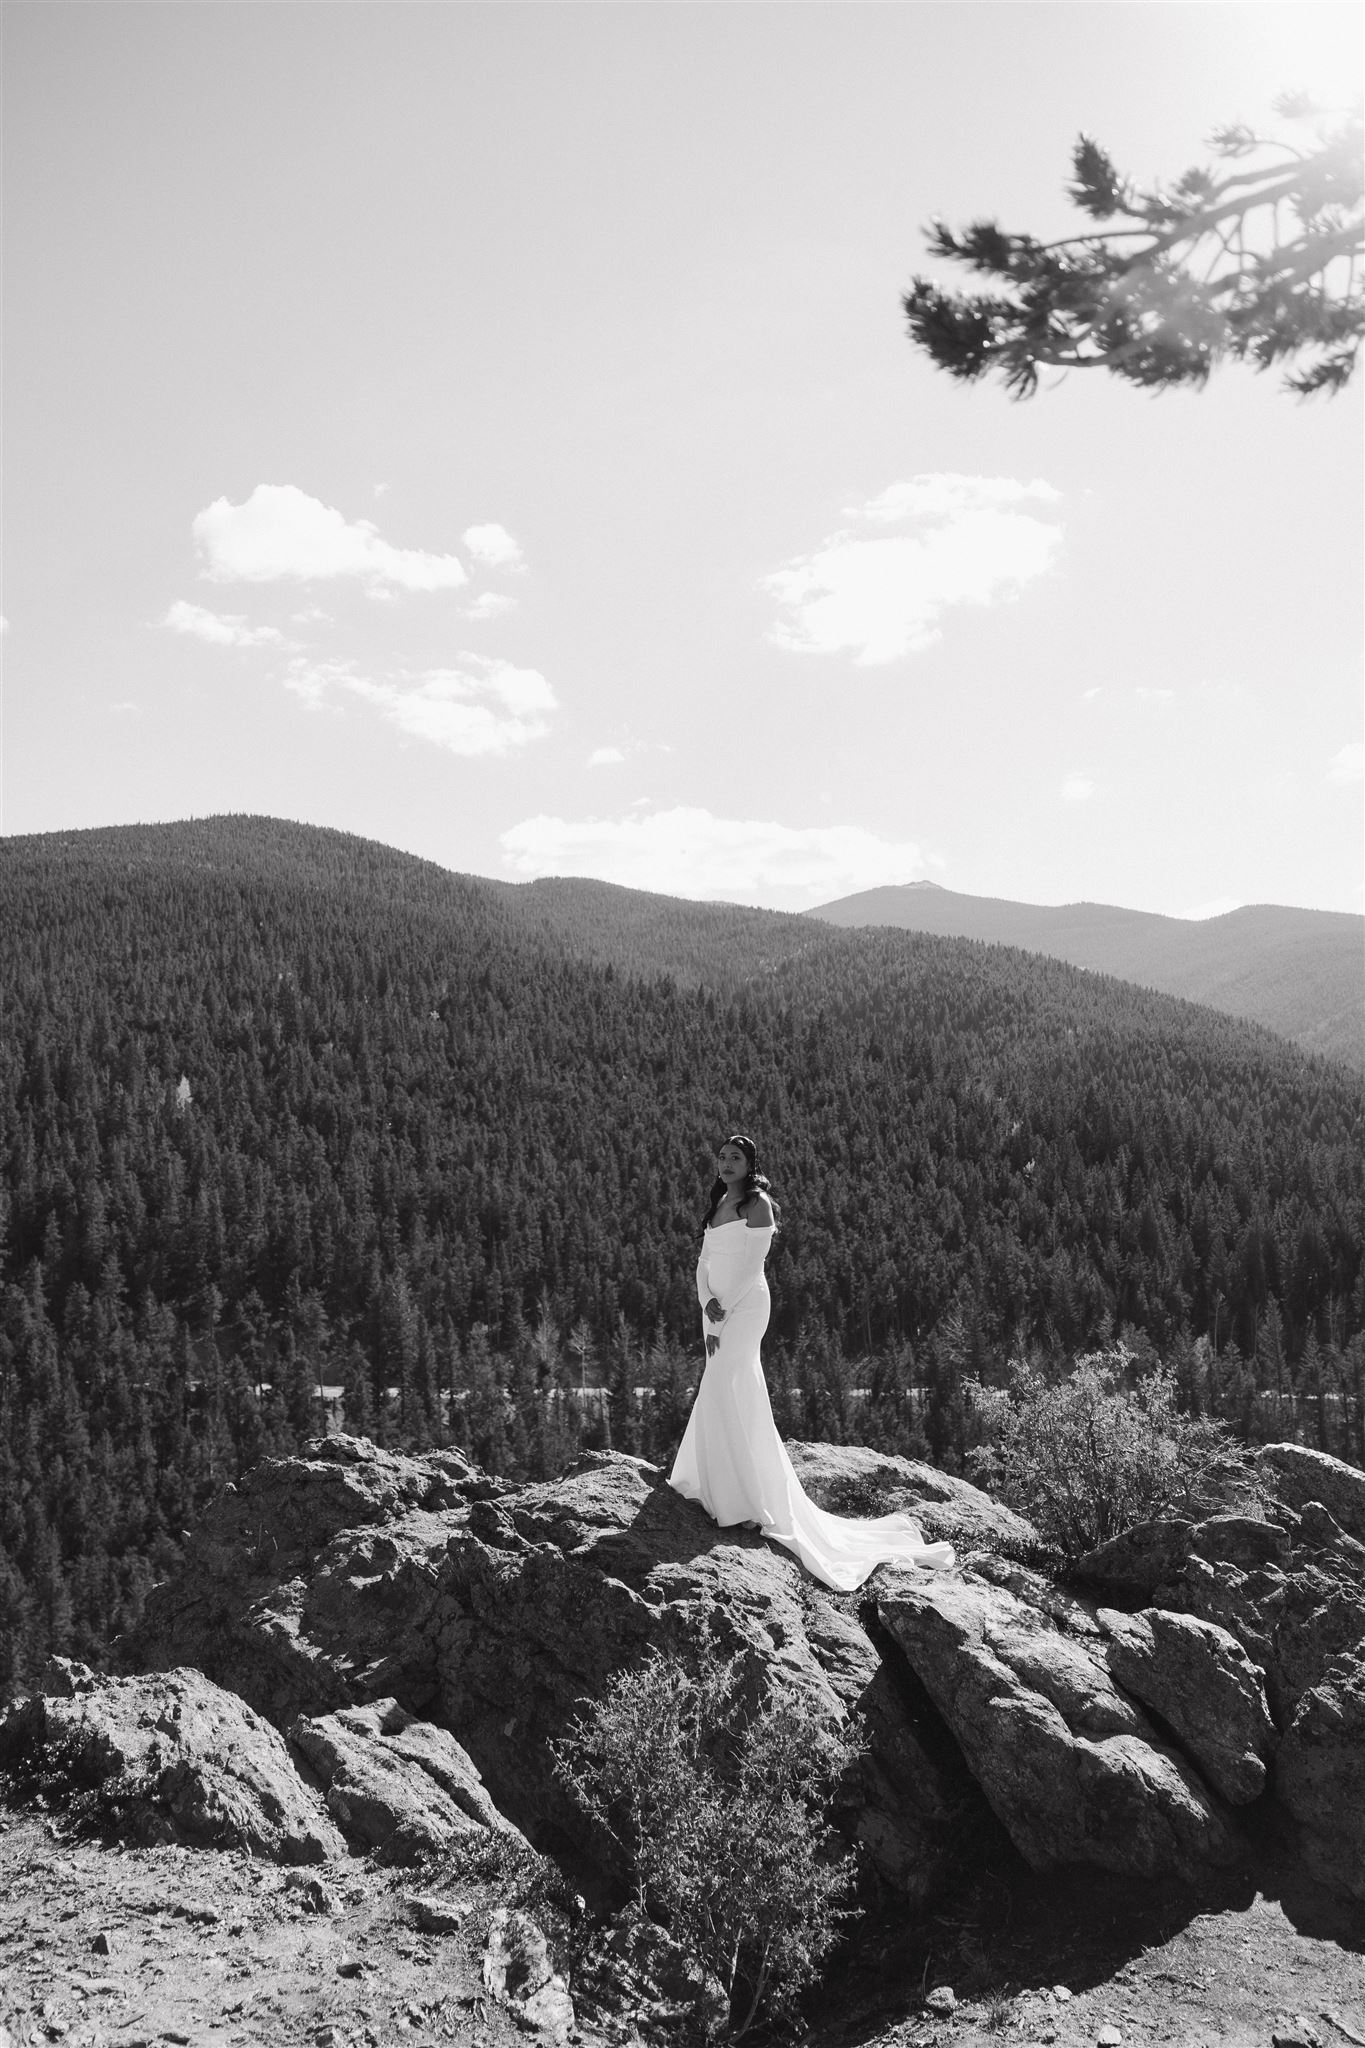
(1294, 1613)
(1288, 1584)
(1204, 1686)
(399, 1786)
(347, 1588)
(350, 1574)
(1136, 1561)
(163, 1758)
(550, 1591)
(311, 1586)
(1297, 1475)
(1321, 1777)
(1069, 1764)
(518, 1973)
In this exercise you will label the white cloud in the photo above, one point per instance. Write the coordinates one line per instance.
(489, 604)
(943, 495)
(1226, 695)
(220, 629)
(280, 532)
(1347, 764)
(493, 546)
(1218, 906)
(605, 757)
(1077, 789)
(1159, 697)
(125, 708)
(4, 625)
(879, 596)
(1095, 690)
(485, 707)
(688, 852)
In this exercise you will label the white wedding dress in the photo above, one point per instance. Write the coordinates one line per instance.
(732, 1459)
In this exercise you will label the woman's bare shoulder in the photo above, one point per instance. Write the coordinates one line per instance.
(758, 1212)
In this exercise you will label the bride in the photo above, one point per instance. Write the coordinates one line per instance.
(732, 1459)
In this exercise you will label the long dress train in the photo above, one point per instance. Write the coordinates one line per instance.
(732, 1459)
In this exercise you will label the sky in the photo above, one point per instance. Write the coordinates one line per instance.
(490, 429)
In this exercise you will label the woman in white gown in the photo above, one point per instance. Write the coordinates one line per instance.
(732, 1459)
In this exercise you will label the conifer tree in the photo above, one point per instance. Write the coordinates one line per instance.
(1255, 259)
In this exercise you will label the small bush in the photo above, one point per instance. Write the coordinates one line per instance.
(718, 1807)
(1087, 1458)
(518, 1875)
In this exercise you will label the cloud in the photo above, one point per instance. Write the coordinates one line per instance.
(220, 629)
(688, 852)
(943, 495)
(1227, 695)
(1159, 697)
(126, 708)
(485, 707)
(4, 625)
(494, 547)
(489, 604)
(281, 533)
(605, 757)
(1218, 906)
(1347, 764)
(879, 596)
(1077, 789)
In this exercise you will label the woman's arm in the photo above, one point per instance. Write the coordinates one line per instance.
(758, 1211)
(747, 1269)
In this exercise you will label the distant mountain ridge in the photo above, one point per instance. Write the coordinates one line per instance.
(1301, 973)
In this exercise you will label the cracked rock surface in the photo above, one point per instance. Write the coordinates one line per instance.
(1121, 1736)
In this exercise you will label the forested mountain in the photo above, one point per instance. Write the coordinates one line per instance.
(283, 1110)
(1299, 972)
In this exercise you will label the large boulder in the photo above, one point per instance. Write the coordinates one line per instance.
(497, 1611)
(518, 1973)
(311, 1585)
(1320, 1774)
(1205, 1688)
(1069, 1764)
(1294, 1618)
(1297, 1475)
(1288, 1586)
(1137, 1561)
(847, 1479)
(396, 1785)
(550, 1591)
(163, 1758)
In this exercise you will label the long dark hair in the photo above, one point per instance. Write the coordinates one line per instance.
(754, 1182)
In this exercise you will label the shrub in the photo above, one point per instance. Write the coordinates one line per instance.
(1086, 1458)
(519, 1876)
(718, 1807)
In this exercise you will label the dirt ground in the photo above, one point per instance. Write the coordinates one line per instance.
(1064, 1959)
(102, 1945)
(121, 1945)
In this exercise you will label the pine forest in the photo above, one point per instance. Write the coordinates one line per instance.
(299, 1132)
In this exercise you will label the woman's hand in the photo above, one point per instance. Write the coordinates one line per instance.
(714, 1312)
(712, 1344)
